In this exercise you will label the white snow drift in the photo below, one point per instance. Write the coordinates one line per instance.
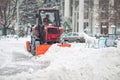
(74, 63)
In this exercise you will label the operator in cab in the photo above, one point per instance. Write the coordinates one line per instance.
(46, 20)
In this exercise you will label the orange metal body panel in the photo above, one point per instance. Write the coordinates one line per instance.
(28, 46)
(64, 45)
(41, 49)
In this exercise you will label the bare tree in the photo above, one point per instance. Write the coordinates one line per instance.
(7, 13)
(109, 13)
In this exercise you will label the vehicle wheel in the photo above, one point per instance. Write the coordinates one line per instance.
(33, 46)
(66, 41)
(77, 40)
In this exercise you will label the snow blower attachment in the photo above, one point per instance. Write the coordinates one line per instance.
(46, 32)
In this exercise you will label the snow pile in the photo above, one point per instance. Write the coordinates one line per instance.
(74, 63)
(82, 63)
(118, 43)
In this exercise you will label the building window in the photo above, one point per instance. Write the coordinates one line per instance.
(117, 10)
(118, 28)
(85, 25)
(104, 28)
(86, 9)
(57, 0)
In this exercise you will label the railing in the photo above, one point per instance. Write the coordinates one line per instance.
(109, 40)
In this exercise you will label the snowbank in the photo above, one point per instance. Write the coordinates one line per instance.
(75, 63)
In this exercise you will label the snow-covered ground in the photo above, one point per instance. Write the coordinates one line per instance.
(74, 63)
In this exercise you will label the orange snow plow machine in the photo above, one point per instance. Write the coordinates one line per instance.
(46, 32)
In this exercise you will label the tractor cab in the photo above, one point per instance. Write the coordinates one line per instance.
(52, 14)
(48, 20)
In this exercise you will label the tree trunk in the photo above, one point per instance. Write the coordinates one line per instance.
(4, 31)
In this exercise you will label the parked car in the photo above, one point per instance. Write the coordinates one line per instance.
(72, 37)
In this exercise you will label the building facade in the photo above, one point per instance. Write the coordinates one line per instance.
(93, 16)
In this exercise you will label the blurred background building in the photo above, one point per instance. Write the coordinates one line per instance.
(94, 17)
(99, 16)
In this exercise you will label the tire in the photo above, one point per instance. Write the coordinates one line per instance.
(33, 46)
(78, 40)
